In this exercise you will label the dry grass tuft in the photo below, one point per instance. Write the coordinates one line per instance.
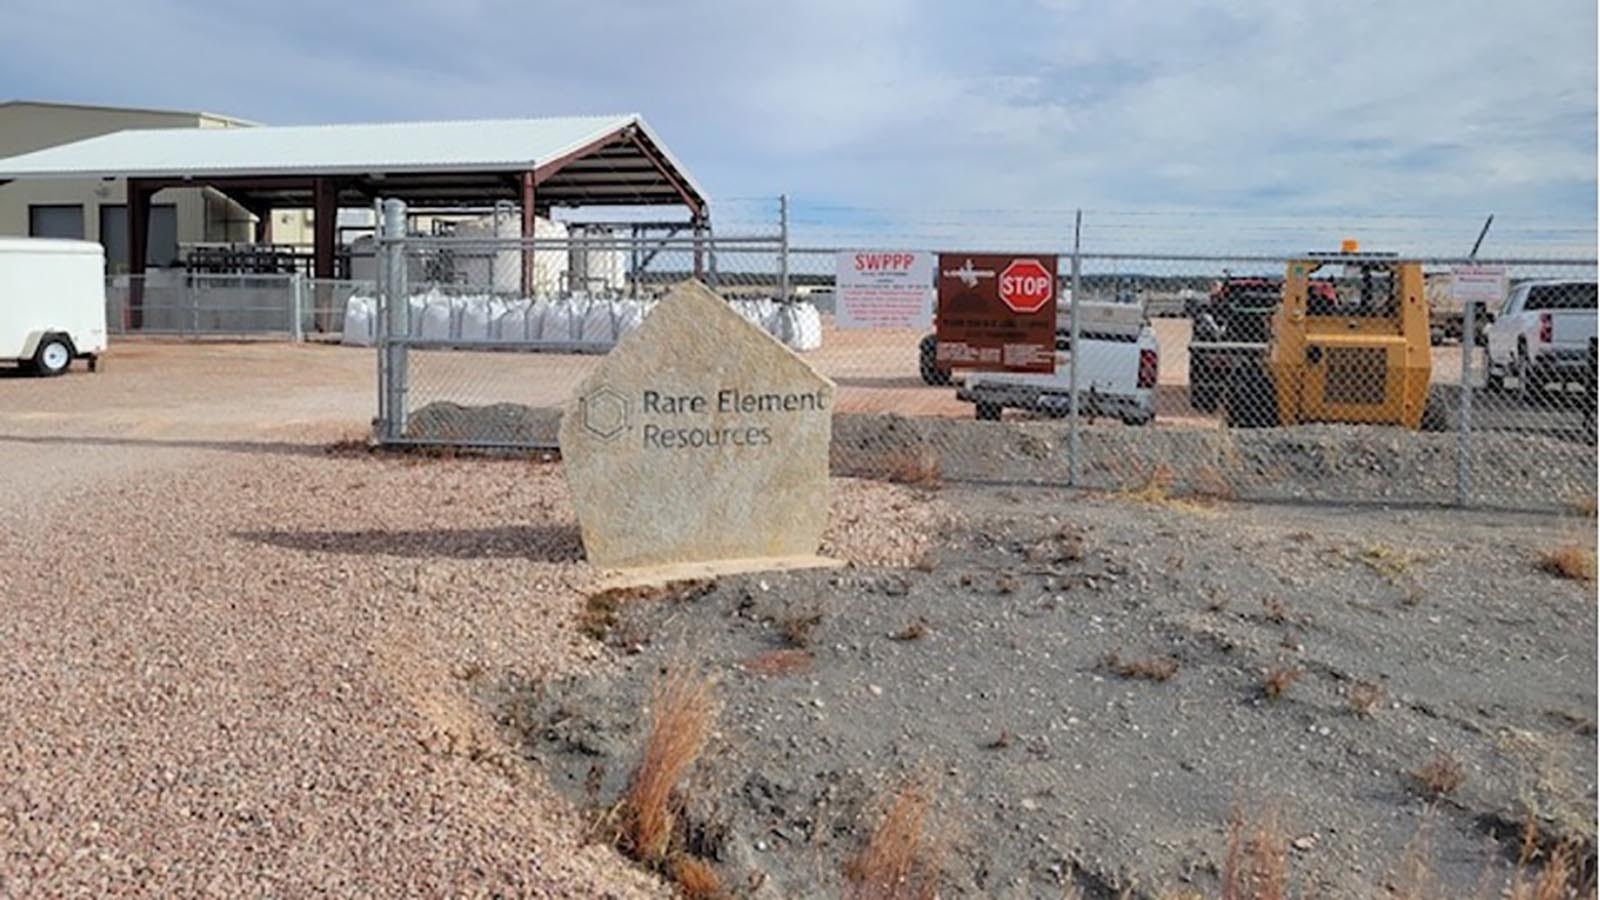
(914, 466)
(1584, 505)
(695, 877)
(916, 631)
(1274, 609)
(926, 561)
(777, 663)
(1439, 776)
(1574, 560)
(1364, 697)
(1154, 668)
(1278, 679)
(796, 630)
(1256, 866)
(901, 860)
(683, 707)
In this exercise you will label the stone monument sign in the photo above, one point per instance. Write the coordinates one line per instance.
(699, 437)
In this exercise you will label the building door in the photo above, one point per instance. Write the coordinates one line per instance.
(56, 221)
(161, 245)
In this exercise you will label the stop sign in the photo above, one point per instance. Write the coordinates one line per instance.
(1026, 285)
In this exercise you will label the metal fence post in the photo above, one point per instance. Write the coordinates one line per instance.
(297, 307)
(1469, 344)
(783, 248)
(1074, 466)
(396, 305)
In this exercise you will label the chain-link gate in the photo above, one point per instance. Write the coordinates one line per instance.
(1335, 376)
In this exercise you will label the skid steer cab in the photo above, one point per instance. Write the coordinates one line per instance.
(1360, 356)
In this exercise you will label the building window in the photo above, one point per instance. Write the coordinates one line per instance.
(56, 221)
(161, 242)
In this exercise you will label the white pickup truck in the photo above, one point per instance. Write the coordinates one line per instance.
(1118, 360)
(1544, 336)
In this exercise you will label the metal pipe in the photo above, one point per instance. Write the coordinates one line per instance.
(397, 316)
(783, 248)
(1074, 467)
(1469, 341)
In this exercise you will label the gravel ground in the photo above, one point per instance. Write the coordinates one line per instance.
(1049, 767)
(253, 675)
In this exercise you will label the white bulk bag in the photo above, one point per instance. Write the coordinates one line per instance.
(360, 317)
(437, 317)
(472, 317)
(510, 324)
(629, 314)
(558, 321)
(418, 303)
(537, 311)
(802, 326)
(599, 326)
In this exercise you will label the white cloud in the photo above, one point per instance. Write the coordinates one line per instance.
(1441, 107)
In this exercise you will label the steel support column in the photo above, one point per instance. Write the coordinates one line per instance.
(529, 221)
(139, 195)
(324, 235)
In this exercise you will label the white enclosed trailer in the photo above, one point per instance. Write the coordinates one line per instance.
(52, 303)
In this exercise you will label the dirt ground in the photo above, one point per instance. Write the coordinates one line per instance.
(983, 670)
(238, 664)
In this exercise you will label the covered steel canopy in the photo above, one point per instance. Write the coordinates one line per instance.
(574, 161)
(538, 163)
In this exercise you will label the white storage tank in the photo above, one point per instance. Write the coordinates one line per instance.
(593, 266)
(499, 269)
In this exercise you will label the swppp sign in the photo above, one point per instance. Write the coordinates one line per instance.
(883, 289)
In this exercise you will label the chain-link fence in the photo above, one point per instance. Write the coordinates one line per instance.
(1348, 376)
(199, 305)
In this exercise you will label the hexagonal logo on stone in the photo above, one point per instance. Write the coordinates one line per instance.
(605, 413)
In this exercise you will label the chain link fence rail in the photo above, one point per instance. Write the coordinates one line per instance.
(201, 305)
(1385, 391)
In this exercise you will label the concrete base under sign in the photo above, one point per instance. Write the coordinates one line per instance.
(670, 572)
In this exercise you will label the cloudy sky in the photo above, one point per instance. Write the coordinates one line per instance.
(875, 111)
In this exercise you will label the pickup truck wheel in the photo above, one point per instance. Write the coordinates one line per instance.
(53, 356)
(1526, 376)
(927, 353)
(987, 412)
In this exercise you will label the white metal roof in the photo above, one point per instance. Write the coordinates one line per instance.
(399, 147)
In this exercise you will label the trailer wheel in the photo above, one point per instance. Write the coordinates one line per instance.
(52, 356)
(927, 354)
(987, 412)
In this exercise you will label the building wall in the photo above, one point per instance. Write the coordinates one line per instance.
(202, 214)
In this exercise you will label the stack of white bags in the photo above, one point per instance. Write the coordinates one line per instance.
(576, 322)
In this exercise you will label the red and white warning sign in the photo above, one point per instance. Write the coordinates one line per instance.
(883, 289)
(1026, 285)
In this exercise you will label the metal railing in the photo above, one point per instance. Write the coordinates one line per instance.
(199, 305)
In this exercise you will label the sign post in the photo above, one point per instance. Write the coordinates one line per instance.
(997, 313)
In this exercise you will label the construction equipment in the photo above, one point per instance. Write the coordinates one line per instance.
(1362, 358)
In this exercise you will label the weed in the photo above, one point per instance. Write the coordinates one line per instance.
(683, 707)
(1156, 488)
(1006, 584)
(900, 860)
(917, 467)
(1278, 679)
(1439, 776)
(1256, 866)
(916, 631)
(796, 630)
(927, 561)
(1584, 505)
(777, 663)
(1154, 668)
(1573, 560)
(999, 743)
(1388, 561)
(1275, 610)
(1364, 697)
(695, 877)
